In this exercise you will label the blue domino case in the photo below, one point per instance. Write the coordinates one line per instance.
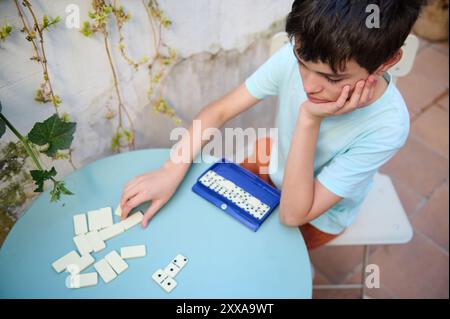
(238, 192)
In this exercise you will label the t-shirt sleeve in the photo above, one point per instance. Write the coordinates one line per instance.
(350, 173)
(266, 80)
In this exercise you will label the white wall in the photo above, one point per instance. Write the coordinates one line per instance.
(219, 43)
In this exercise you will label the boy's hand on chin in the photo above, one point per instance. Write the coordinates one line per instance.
(363, 93)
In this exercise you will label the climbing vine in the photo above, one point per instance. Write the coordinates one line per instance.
(158, 67)
(47, 138)
(164, 57)
(53, 137)
(99, 18)
(35, 35)
(121, 18)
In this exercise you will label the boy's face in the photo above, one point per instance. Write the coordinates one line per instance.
(322, 85)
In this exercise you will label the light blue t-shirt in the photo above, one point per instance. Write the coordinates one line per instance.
(350, 147)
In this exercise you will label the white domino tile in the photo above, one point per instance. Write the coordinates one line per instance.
(95, 241)
(105, 271)
(99, 219)
(116, 262)
(80, 224)
(83, 245)
(83, 262)
(106, 217)
(132, 252)
(159, 276)
(172, 270)
(253, 201)
(83, 280)
(229, 185)
(132, 220)
(118, 211)
(68, 259)
(206, 182)
(111, 231)
(180, 261)
(92, 220)
(226, 188)
(168, 284)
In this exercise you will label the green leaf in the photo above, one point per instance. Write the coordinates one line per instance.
(40, 176)
(65, 117)
(58, 189)
(45, 22)
(48, 22)
(55, 20)
(39, 96)
(128, 135)
(86, 29)
(55, 133)
(56, 101)
(166, 22)
(107, 10)
(5, 31)
(115, 141)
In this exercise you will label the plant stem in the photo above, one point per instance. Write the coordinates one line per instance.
(149, 14)
(116, 83)
(116, 86)
(44, 58)
(71, 160)
(26, 27)
(119, 25)
(24, 141)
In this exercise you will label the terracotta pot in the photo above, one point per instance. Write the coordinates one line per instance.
(432, 24)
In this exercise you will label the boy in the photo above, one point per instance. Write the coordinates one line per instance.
(340, 115)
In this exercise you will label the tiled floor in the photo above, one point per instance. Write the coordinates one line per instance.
(420, 172)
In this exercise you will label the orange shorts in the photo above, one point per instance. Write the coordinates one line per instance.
(259, 162)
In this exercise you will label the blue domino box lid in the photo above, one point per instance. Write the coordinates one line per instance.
(246, 180)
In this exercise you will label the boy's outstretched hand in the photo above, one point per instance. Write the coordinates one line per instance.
(158, 186)
(362, 94)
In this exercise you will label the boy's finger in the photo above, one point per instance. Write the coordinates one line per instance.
(151, 211)
(132, 190)
(133, 202)
(372, 93)
(368, 88)
(126, 195)
(354, 100)
(133, 182)
(125, 198)
(340, 103)
(356, 96)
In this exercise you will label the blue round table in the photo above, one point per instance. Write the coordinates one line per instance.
(226, 260)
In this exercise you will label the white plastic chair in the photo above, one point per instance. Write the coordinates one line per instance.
(381, 219)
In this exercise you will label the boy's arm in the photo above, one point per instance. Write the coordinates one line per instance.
(304, 198)
(168, 177)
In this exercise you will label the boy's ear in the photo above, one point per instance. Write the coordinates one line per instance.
(389, 63)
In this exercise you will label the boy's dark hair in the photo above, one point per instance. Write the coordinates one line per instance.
(335, 31)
